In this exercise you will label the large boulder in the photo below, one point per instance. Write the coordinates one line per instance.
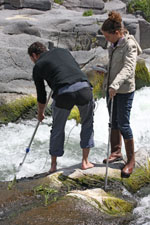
(84, 4)
(144, 33)
(34, 4)
(116, 5)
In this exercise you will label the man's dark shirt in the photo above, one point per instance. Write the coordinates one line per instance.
(58, 68)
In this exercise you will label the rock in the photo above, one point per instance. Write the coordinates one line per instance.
(132, 26)
(141, 157)
(103, 201)
(144, 33)
(20, 28)
(145, 57)
(60, 26)
(84, 4)
(92, 57)
(95, 171)
(116, 5)
(42, 195)
(34, 4)
(147, 51)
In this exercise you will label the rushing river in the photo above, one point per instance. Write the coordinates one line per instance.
(14, 139)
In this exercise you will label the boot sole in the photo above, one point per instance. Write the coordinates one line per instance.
(112, 161)
(125, 175)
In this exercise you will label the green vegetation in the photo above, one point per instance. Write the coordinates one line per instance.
(75, 114)
(45, 191)
(115, 206)
(139, 178)
(88, 12)
(142, 75)
(97, 82)
(12, 183)
(142, 6)
(12, 111)
(60, 2)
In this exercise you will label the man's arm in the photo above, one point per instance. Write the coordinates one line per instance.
(41, 109)
(41, 93)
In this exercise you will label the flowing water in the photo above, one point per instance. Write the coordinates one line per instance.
(14, 139)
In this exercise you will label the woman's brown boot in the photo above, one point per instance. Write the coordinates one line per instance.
(128, 169)
(116, 144)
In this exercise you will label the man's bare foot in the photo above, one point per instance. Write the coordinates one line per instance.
(53, 168)
(86, 165)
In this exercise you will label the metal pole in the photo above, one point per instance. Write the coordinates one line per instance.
(38, 123)
(109, 138)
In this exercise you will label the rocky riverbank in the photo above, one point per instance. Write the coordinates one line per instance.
(23, 22)
(74, 196)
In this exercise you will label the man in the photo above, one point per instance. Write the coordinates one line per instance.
(70, 87)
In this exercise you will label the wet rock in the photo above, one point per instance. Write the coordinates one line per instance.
(59, 198)
(103, 201)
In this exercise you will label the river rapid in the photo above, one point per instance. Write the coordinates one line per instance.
(15, 138)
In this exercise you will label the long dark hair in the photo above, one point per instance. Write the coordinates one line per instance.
(113, 23)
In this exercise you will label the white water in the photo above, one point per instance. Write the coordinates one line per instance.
(14, 139)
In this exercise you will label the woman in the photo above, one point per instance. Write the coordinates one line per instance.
(119, 84)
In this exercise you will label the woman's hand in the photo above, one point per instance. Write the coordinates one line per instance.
(112, 92)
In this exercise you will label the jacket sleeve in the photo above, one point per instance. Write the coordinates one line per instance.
(40, 86)
(129, 66)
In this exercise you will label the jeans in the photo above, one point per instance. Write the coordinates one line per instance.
(121, 113)
(80, 95)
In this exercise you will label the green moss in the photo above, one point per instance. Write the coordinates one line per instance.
(139, 178)
(88, 12)
(142, 75)
(12, 111)
(12, 183)
(115, 206)
(69, 183)
(96, 80)
(45, 191)
(97, 85)
(60, 2)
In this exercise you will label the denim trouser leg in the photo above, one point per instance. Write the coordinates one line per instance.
(87, 133)
(57, 137)
(121, 114)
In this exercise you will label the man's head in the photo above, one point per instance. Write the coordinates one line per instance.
(35, 50)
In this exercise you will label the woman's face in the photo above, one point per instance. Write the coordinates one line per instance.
(112, 37)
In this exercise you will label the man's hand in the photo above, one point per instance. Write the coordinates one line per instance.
(112, 92)
(41, 108)
(41, 116)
